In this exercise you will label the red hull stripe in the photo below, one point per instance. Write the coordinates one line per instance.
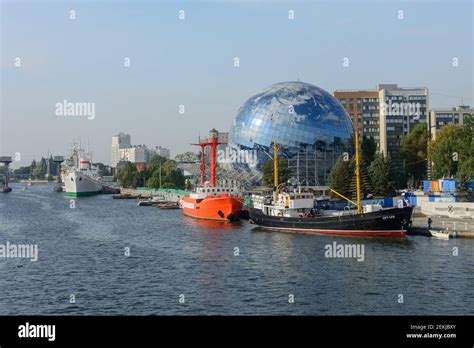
(345, 232)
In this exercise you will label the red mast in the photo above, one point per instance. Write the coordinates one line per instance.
(212, 141)
(203, 162)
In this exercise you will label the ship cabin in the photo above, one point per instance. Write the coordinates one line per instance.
(291, 204)
(225, 187)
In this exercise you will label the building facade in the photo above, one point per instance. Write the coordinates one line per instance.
(134, 154)
(123, 150)
(386, 113)
(119, 142)
(440, 117)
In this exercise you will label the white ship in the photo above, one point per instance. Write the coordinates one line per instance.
(81, 177)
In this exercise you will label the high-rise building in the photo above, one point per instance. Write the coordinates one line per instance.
(119, 141)
(386, 113)
(134, 154)
(440, 117)
(365, 106)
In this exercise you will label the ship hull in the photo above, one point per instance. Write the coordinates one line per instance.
(213, 208)
(77, 184)
(389, 222)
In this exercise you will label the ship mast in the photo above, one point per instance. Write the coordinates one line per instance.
(275, 169)
(357, 164)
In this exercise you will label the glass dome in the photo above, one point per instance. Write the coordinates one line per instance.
(308, 123)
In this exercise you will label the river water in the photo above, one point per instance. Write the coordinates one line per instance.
(82, 259)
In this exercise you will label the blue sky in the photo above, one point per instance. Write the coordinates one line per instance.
(190, 62)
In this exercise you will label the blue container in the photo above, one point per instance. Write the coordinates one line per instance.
(426, 186)
(449, 185)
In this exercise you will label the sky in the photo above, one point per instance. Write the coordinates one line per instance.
(190, 62)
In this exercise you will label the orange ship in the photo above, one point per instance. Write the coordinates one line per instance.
(212, 202)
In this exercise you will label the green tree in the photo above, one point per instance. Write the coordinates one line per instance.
(22, 170)
(283, 171)
(188, 185)
(450, 151)
(38, 170)
(157, 159)
(414, 150)
(171, 176)
(103, 169)
(465, 194)
(368, 149)
(128, 175)
(186, 157)
(381, 176)
(341, 176)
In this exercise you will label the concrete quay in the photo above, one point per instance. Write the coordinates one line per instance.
(464, 228)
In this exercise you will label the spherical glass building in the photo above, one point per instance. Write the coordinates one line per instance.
(310, 126)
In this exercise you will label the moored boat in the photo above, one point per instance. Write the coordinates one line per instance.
(392, 222)
(151, 201)
(212, 201)
(294, 210)
(439, 234)
(82, 180)
(168, 205)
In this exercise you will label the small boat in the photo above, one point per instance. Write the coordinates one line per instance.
(439, 234)
(151, 201)
(168, 205)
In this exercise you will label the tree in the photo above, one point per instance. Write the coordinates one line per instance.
(340, 177)
(283, 171)
(128, 175)
(171, 176)
(466, 165)
(450, 151)
(187, 157)
(157, 159)
(381, 176)
(39, 170)
(368, 148)
(22, 170)
(465, 194)
(188, 185)
(414, 150)
(103, 169)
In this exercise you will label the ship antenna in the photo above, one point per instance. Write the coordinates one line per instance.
(357, 164)
(275, 169)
